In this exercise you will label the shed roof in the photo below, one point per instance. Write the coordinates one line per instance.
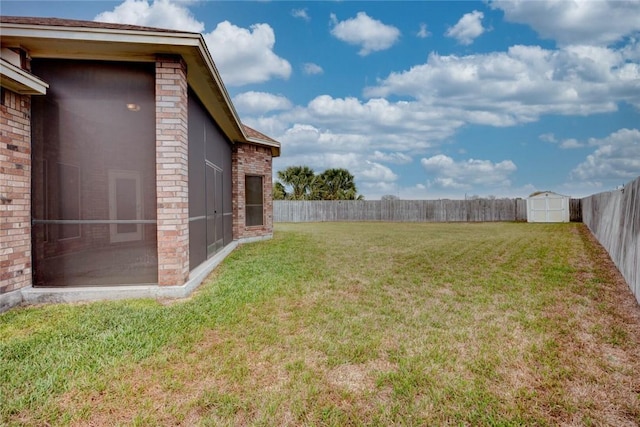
(74, 39)
(545, 194)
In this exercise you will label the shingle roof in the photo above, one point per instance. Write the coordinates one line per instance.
(252, 133)
(58, 22)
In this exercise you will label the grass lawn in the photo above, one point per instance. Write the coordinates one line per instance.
(348, 324)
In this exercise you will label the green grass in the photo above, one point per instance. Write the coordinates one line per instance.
(347, 324)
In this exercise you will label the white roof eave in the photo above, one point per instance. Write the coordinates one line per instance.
(16, 79)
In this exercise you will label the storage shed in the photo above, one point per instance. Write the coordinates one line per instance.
(547, 206)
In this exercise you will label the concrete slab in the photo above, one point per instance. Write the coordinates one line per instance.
(41, 295)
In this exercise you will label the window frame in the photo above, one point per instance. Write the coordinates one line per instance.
(248, 205)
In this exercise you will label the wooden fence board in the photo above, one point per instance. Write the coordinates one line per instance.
(400, 210)
(575, 210)
(614, 219)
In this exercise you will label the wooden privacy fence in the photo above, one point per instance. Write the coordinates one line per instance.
(575, 210)
(614, 219)
(400, 210)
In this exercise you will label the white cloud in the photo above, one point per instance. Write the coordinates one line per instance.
(310, 68)
(260, 102)
(301, 13)
(376, 172)
(387, 124)
(386, 157)
(310, 139)
(348, 161)
(375, 190)
(468, 28)
(520, 85)
(617, 158)
(423, 33)
(467, 174)
(575, 22)
(371, 139)
(580, 189)
(300, 138)
(564, 144)
(570, 143)
(242, 55)
(246, 55)
(159, 14)
(321, 149)
(367, 173)
(370, 34)
(548, 137)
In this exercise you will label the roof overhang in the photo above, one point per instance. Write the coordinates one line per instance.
(144, 45)
(17, 80)
(275, 146)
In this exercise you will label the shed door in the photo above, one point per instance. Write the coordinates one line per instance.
(548, 209)
(538, 210)
(555, 209)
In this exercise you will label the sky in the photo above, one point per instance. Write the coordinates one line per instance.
(422, 100)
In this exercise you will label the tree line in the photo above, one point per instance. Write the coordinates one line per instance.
(302, 183)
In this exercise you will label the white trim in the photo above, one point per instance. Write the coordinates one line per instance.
(19, 81)
(263, 142)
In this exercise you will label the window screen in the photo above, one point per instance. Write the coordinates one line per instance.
(253, 192)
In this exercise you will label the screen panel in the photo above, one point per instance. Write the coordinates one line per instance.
(94, 187)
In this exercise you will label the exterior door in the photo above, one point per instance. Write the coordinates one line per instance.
(125, 204)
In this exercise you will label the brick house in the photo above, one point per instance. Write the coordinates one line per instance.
(124, 168)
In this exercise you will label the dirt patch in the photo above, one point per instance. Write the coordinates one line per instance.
(600, 349)
(357, 378)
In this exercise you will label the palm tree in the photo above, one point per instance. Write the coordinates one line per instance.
(337, 184)
(279, 192)
(301, 180)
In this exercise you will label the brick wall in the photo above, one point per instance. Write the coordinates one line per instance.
(172, 171)
(248, 159)
(15, 191)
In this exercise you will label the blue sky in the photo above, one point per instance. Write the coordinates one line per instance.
(423, 100)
